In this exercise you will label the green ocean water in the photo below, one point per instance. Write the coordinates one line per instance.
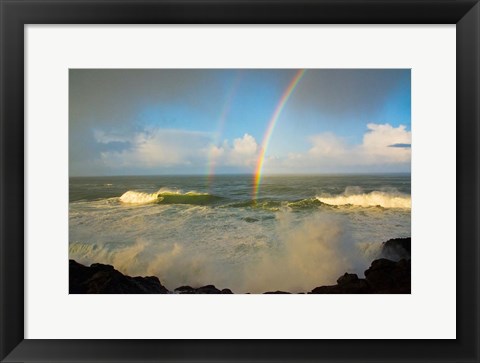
(299, 233)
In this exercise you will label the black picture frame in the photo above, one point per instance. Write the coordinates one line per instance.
(15, 14)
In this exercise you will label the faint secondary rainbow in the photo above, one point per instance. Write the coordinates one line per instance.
(212, 159)
(271, 125)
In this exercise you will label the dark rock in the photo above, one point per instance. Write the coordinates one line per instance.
(277, 292)
(208, 289)
(347, 278)
(331, 289)
(352, 286)
(383, 277)
(102, 267)
(389, 277)
(104, 279)
(185, 290)
(396, 249)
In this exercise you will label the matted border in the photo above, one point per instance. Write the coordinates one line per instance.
(15, 14)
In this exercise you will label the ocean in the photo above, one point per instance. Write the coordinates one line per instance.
(298, 233)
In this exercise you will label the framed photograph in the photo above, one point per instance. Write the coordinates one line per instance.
(239, 181)
(209, 199)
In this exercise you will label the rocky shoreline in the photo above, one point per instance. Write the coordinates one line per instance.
(389, 274)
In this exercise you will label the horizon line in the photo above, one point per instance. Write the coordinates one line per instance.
(246, 174)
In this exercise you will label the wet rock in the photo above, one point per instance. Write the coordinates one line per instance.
(353, 286)
(396, 249)
(208, 289)
(185, 290)
(383, 277)
(389, 277)
(347, 279)
(104, 279)
(100, 266)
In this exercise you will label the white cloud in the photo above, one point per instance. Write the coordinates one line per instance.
(157, 148)
(377, 143)
(106, 138)
(243, 153)
(154, 149)
(329, 152)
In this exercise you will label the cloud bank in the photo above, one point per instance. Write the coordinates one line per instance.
(330, 153)
(159, 150)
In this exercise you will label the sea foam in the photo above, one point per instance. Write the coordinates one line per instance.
(132, 197)
(376, 198)
(168, 196)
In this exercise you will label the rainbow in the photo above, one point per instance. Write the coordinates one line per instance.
(221, 124)
(271, 125)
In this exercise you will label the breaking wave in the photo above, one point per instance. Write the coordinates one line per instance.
(384, 199)
(132, 197)
(168, 196)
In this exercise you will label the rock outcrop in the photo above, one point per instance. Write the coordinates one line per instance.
(382, 277)
(208, 289)
(397, 249)
(389, 277)
(346, 284)
(104, 279)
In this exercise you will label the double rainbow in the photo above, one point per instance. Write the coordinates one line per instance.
(271, 125)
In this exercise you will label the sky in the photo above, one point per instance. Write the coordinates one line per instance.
(222, 121)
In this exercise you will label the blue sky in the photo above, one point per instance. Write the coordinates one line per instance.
(126, 122)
